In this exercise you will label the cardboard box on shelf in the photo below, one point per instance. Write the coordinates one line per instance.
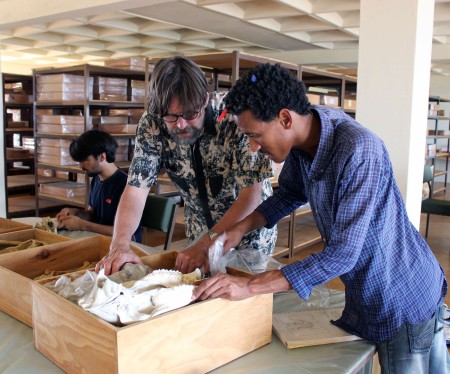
(54, 151)
(12, 153)
(56, 159)
(19, 87)
(63, 120)
(112, 120)
(329, 100)
(431, 150)
(119, 129)
(349, 104)
(16, 98)
(46, 172)
(61, 129)
(313, 99)
(49, 142)
(194, 339)
(18, 269)
(17, 124)
(63, 189)
(132, 63)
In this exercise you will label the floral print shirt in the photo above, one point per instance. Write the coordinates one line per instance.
(228, 166)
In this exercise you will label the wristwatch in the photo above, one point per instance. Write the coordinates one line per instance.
(212, 234)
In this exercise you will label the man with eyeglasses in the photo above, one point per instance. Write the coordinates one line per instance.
(186, 132)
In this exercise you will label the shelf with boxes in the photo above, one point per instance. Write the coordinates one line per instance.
(438, 141)
(331, 89)
(70, 101)
(19, 145)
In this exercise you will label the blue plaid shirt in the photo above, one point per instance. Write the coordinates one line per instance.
(390, 274)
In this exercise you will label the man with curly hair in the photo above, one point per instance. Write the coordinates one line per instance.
(394, 286)
(185, 132)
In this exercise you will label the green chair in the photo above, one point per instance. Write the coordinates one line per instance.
(159, 214)
(430, 205)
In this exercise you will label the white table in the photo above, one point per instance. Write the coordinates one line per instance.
(17, 354)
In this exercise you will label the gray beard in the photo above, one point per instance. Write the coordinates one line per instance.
(194, 135)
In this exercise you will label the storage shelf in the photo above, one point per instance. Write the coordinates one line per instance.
(20, 206)
(86, 106)
(76, 201)
(438, 118)
(18, 129)
(94, 103)
(20, 114)
(439, 161)
(28, 180)
(18, 105)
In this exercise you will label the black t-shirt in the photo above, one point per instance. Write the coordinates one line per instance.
(104, 199)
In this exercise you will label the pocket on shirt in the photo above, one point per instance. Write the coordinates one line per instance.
(421, 336)
(215, 184)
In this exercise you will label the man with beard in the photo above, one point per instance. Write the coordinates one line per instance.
(186, 133)
(95, 151)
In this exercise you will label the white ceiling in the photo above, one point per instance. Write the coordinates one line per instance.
(320, 33)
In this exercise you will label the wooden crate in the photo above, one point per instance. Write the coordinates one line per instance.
(45, 236)
(18, 269)
(194, 339)
(7, 225)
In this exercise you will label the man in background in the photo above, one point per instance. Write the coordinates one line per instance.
(95, 151)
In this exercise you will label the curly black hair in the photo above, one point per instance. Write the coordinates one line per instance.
(265, 90)
(93, 142)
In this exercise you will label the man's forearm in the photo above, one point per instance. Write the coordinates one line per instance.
(251, 222)
(128, 215)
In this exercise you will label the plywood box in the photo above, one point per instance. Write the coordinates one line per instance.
(18, 269)
(55, 160)
(33, 233)
(7, 225)
(313, 99)
(133, 63)
(62, 129)
(329, 100)
(193, 339)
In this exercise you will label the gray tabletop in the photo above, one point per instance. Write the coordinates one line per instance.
(17, 354)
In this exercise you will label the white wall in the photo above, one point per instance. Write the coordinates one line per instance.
(440, 86)
(393, 83)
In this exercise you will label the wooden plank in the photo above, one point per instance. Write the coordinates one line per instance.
(45, 236)
(18, 269)
(7, 225)
(197, 338)
(77, 341)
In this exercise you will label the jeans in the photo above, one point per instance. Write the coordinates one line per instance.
(417, 349)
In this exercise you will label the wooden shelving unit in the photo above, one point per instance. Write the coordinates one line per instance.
(18, 131)
(326, 88)
(439, 136)
(86, 97)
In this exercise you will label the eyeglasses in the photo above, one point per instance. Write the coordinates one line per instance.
(188, 116)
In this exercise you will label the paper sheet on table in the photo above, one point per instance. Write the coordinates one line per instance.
(310, 327)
